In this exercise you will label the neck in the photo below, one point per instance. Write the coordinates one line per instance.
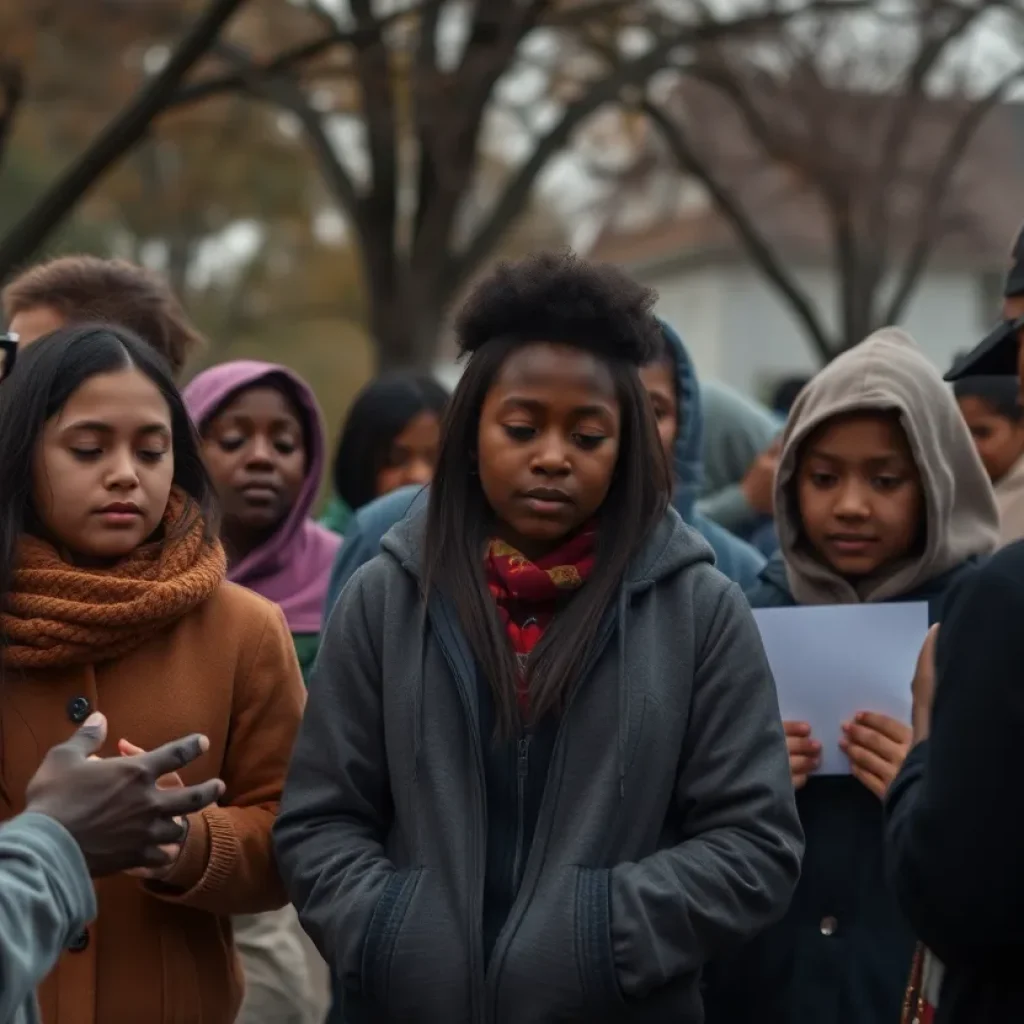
(241, 541)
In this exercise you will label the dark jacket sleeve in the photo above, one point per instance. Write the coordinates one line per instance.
(336, 806)
(46, 897)
(737, 868)
(954, 831)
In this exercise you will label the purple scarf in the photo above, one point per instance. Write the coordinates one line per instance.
(293, 566)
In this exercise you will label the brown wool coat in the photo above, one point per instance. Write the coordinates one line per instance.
(227, 669)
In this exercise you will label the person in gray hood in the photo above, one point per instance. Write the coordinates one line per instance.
(541, 775)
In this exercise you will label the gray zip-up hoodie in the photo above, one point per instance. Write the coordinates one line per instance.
(667, 833)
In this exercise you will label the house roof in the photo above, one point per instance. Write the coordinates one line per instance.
(982, 209)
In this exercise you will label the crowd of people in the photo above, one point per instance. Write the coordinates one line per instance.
(495, 739)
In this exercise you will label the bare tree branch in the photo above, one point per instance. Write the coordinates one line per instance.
(930, 208)
(12, 90)
(632, 72)
(761, 252)
(114, 141)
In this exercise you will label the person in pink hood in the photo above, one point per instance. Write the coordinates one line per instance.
(263, 444)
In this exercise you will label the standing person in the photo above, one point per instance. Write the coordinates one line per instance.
(671, 381)
(113, 599)
(390, 439)
(87, 289)
(740, 459)
(954, 844)
(263, 445)
(880, 497)
(541, 775)
(85, 817)
(992, 411)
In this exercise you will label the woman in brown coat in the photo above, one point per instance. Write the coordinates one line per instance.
(114, 600)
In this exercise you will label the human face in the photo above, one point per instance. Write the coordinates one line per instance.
(860, 493)
(999, 440)
(548, 441)
(412, 457)
(660, 381)
(34, 323)
(103, 467)
(254, 451)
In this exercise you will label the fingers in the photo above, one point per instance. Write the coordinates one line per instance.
(891, 728)
(128, 749)
(870, 781)
(89, 737)
(167, 832)
(796, 728)
(189, 799)
(171, 756)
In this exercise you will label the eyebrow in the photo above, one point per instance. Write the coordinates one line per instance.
(878, 460)
(105, 428)
(533, 405)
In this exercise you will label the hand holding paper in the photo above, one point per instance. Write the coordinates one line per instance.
(832, 663)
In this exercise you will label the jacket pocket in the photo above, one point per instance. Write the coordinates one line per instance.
(595, 958)
(382, 934)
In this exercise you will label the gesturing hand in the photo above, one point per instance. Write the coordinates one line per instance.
(804, 752)
(758, 485)
(170, 781)
(112, 806)
(876, 746)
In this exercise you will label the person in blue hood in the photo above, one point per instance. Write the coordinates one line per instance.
(671, 382)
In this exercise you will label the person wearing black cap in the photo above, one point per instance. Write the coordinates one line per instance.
(954, 831)
(992, 410)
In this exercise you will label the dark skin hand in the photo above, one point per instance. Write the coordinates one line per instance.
(112, 806)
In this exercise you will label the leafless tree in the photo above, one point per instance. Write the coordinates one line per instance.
(424, 90)
(849, 135)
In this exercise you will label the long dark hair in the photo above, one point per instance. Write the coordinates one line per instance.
(381, 411)
(46, 375)
(460, 521)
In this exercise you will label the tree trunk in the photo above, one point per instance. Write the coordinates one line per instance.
(406, 328)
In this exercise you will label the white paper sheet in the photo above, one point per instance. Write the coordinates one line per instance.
(831, 661)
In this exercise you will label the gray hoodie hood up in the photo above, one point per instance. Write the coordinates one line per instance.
(667, 833)
(888, 372)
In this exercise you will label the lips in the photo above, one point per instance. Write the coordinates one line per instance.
(852, 544)
(547, 501)
(120, 513)
(259, 494)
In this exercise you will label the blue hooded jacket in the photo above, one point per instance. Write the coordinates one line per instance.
(734, 558)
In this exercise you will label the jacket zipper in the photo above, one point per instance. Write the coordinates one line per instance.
(492, 978)
(522, 771)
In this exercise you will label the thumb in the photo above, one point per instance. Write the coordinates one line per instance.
(90, 735)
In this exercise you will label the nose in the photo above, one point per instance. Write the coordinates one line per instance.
(260, 453)
(551, 455)
(419, 471)
(123, 473)
(853, 500)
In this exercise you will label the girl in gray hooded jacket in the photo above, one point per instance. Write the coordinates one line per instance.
(542, 775)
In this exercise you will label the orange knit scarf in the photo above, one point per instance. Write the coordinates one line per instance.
(59, 614)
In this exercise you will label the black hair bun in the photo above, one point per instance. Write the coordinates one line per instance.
(558, 297)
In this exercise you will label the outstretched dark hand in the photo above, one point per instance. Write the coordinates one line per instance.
(112, 806)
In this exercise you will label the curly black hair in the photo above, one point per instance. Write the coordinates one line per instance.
(556, 296)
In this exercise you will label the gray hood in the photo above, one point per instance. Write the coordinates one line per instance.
(888, 371)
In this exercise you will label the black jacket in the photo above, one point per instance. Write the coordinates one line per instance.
(955, 814)
(842, 954)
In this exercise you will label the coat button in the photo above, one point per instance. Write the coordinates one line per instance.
(828, 926)
(79, 943)
(78, 709)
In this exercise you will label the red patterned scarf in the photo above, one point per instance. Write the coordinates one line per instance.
(527, 593)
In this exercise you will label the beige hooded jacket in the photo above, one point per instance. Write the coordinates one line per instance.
(888, 371)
